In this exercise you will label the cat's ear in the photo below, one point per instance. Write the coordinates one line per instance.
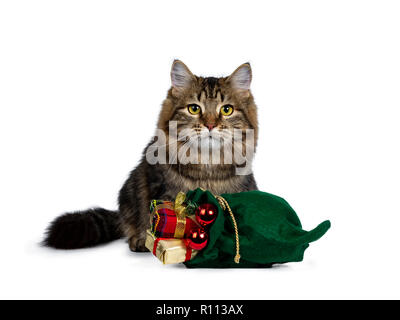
(240, 79)
(181, 77)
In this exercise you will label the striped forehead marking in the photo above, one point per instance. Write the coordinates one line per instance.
(211, 88)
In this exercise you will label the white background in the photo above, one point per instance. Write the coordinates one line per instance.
(81, 83)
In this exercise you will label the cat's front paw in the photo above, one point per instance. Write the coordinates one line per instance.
(137, 244)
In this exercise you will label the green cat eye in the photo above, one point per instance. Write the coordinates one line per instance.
(227, 110)
(194, 109)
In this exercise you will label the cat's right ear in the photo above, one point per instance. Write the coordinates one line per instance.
(181, 77)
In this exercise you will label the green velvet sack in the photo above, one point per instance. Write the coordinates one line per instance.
(268, 228)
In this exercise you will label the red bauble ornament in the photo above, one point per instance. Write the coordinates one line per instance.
(197, 239)
(206, 214)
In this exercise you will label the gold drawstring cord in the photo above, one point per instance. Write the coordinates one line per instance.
(225, 206)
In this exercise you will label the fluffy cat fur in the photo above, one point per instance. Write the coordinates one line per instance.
(163, 181)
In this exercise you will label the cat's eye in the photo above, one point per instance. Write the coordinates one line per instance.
(227, 110)
(194, 108)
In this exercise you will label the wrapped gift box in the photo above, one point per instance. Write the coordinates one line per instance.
(169, 250)
(167, 222)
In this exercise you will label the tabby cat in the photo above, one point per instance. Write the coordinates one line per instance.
(200, 105)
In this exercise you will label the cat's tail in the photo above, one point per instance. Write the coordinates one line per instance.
(83, 229)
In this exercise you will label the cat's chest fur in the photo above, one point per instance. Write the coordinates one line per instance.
(176, 182)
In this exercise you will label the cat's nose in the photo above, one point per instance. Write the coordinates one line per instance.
(210, 126)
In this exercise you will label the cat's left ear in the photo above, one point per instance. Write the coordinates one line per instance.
(240, 79)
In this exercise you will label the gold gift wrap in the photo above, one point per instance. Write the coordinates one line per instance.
(169, 250)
